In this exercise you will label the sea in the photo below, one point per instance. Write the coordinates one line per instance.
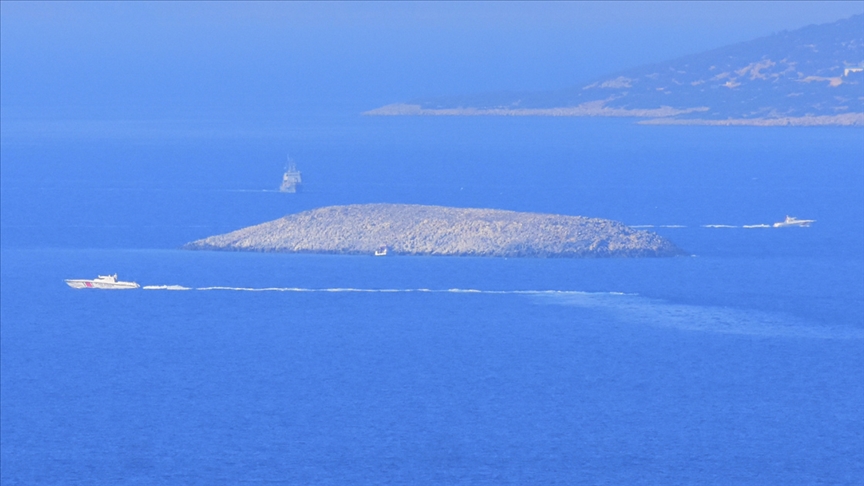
(740, 363)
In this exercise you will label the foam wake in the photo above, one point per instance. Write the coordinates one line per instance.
(657, 226)
(635, 309)
(627, 307)
(251, 190)
(379, 291)
(748, 226)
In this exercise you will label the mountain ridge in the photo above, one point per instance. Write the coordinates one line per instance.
(809, 76)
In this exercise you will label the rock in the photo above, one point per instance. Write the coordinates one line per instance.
(436, 230)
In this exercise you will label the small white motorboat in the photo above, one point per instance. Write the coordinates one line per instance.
(793, 221)
(381, 251)
(109, 282)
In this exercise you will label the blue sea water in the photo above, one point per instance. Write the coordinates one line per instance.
(740, 364)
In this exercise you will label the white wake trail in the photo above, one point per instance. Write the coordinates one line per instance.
(635, 309)
(748, 226)
(380, 291)
(628, 307)
(657, 226)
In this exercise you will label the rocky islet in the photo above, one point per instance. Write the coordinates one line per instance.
(407, 229)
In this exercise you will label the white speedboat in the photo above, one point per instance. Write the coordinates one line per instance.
(381, 251)
(793, 221)
(102, 282)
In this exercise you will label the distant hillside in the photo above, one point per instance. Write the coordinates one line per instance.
(809, 76)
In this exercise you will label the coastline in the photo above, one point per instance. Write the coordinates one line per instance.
(664, 115)
(844, 120)
(592, 108)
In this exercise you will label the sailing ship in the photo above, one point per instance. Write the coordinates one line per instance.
(291, 177)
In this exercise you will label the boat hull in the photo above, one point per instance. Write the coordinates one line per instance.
(799, 224)
(92, 284)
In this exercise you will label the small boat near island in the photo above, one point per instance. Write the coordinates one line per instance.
(793, 221)
(107, 282)
(381, 251)
(291, 178)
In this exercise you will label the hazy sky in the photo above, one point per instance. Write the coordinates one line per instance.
(197, 59)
